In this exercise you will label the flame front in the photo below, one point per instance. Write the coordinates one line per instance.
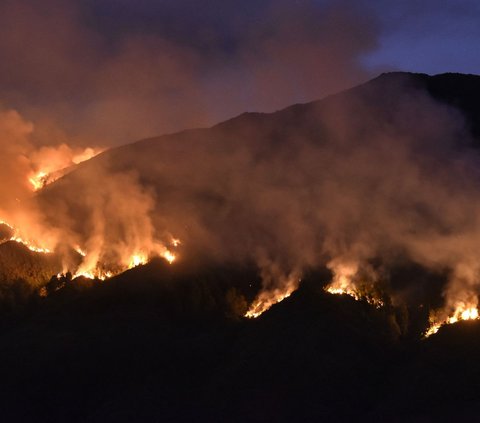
(462, 312)
(39, 180)
(137, 260)
(53, 163)
(344, 282)
(281, 286)
(94, 274)
(31, 245)
(265, 300)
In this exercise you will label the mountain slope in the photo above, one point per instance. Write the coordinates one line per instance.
(248, 200)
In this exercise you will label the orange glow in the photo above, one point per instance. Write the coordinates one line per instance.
(462, 312)
(285, 286)
(137, 260)
(169, 256)
(90, 267)
(264, 302)
(344, 283)
(80, 251)
(94, 274)
(32, 246)
(86, 154)
(39, 180)
(54, 162)
(2, 222)
(352, 292)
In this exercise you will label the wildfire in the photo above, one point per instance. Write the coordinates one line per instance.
(93, 269)
(462, 312)
(57, 162)
(98, 271)
(80, 251)
(169, 256)
(137, 260)
(94, 274)
(39, 180)
(344, 283)
(2, 222)
(352, 292)
(285, 285)
(263, 303)
(29, 244)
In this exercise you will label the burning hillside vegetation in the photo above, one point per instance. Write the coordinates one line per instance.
(348, 183)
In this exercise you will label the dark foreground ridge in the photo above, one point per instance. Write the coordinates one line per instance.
(156, 344)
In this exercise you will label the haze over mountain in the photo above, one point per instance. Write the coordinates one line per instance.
(378, 184)
(385, 171)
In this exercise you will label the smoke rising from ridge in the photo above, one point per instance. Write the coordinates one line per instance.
(380, 174)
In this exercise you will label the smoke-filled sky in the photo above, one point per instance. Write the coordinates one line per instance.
(104, 72)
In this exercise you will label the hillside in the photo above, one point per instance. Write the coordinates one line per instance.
(382, 179)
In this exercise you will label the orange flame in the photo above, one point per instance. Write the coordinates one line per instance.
(462, 312)
(343, 283)
(266, 300)
(285, 286)
(93, 274)
(169, 256)
(32, 246)
(80, 251)
(137, 260)
(39, 180)
(57, 162)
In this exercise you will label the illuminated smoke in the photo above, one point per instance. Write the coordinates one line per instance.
(119, 233)
(31, 245)
(349, 279)
(461, 299)
(51, 163)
